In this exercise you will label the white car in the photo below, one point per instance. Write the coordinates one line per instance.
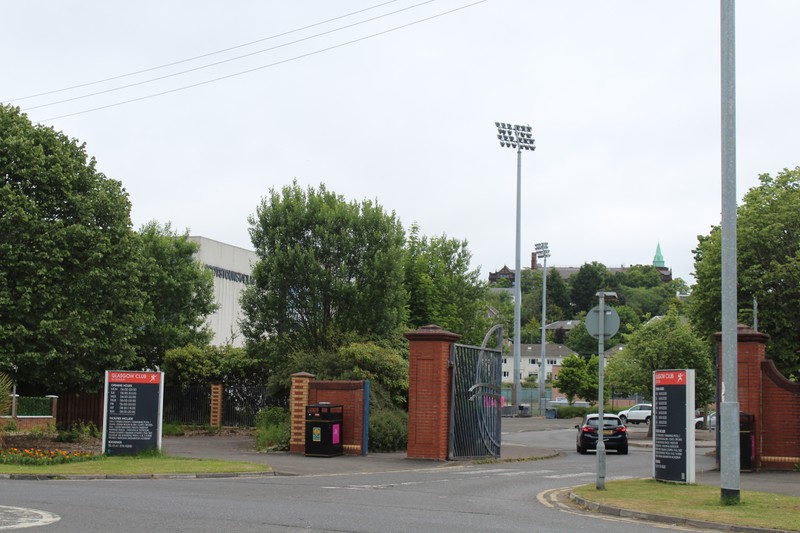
(641, 412)
(712, 421)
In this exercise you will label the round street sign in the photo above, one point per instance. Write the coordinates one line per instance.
(610, 322)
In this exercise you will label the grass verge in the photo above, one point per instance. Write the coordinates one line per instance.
(139, 465)
(698, 502)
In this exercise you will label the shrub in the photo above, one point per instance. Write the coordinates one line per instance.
(388, 430)
(173, 429)
(572, 411)
(79, 432)
(273, 429)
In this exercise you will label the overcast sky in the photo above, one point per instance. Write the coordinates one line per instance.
(622, 97)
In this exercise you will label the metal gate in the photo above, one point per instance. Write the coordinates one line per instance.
(476, 401)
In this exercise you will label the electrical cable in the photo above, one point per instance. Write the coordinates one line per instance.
(248, 71)
(165, 65)
(217, 63)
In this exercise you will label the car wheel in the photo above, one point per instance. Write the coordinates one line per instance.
(623, 418)
(698, 425)
(623, 451)
(582, 450)
(647, 420)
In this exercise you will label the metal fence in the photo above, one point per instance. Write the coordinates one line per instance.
(241, 404)
(187, 405)
(182, 405)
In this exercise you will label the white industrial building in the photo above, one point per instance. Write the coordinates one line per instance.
(232, 267)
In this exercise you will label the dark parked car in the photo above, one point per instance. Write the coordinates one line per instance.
(615, 435)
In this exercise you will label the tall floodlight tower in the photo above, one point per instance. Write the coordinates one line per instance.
(519, 138)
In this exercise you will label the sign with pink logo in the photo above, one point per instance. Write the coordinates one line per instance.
(336, 433)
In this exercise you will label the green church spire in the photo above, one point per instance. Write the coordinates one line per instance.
(658, 260)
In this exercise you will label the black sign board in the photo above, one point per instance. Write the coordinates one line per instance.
(673, 425)
(133, 404)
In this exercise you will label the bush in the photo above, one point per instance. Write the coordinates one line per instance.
(173, 429)
(388, 430)
(79, 432)
(33, 406)
(273, 429)
(572, 411)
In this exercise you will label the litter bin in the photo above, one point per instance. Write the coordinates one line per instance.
(324, 430)
(551, 413)
(746, 441)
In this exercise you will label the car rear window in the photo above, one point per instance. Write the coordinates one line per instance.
(606, 422)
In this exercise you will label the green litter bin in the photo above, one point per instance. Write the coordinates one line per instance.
(324, 430)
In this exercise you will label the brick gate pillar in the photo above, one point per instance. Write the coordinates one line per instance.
(298, 399)
(751, 348)
(429, 390)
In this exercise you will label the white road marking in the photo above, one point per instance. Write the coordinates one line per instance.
(20, 517)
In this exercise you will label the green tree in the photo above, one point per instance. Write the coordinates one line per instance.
(180, 293)
(441, 287)
(663, 343)
(768, 245)
(572, 377)
(328, 270)
(584, 285)
(70, 295)
(193, 364)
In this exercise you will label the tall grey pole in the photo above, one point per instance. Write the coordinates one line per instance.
(729, 407)
(542, 360)
(520, 138)
(517, 287)
(601, 446)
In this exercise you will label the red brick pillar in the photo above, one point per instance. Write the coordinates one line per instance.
(751, 348)
(215, 418)
(429, 391)
(298, 399)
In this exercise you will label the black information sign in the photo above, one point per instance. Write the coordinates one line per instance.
(133, 403)
(673, 425)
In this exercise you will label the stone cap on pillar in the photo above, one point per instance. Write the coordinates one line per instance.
(745, 333)
(432, 332)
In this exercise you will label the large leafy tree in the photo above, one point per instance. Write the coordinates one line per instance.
(666, 342)
(70, 296)
(180, 293)
(441, 287)
(585, 283)
(768, 252)
(329, 271)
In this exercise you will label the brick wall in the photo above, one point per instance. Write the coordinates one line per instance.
(429, 392)
(351, 395)
(27, 423)
(773, 400)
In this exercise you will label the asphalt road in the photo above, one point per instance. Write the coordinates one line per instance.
(436, 497)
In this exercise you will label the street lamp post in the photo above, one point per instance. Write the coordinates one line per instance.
(519, 138)
(543, 251)
(601, 348)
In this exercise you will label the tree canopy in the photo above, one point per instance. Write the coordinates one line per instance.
(328, 270)
(69, 280)
(768, 266)
(180, 293)
(441, 287)
(666, 342)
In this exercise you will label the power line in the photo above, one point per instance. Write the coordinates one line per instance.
(181, 61)
(248, 71)
(217, 63)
